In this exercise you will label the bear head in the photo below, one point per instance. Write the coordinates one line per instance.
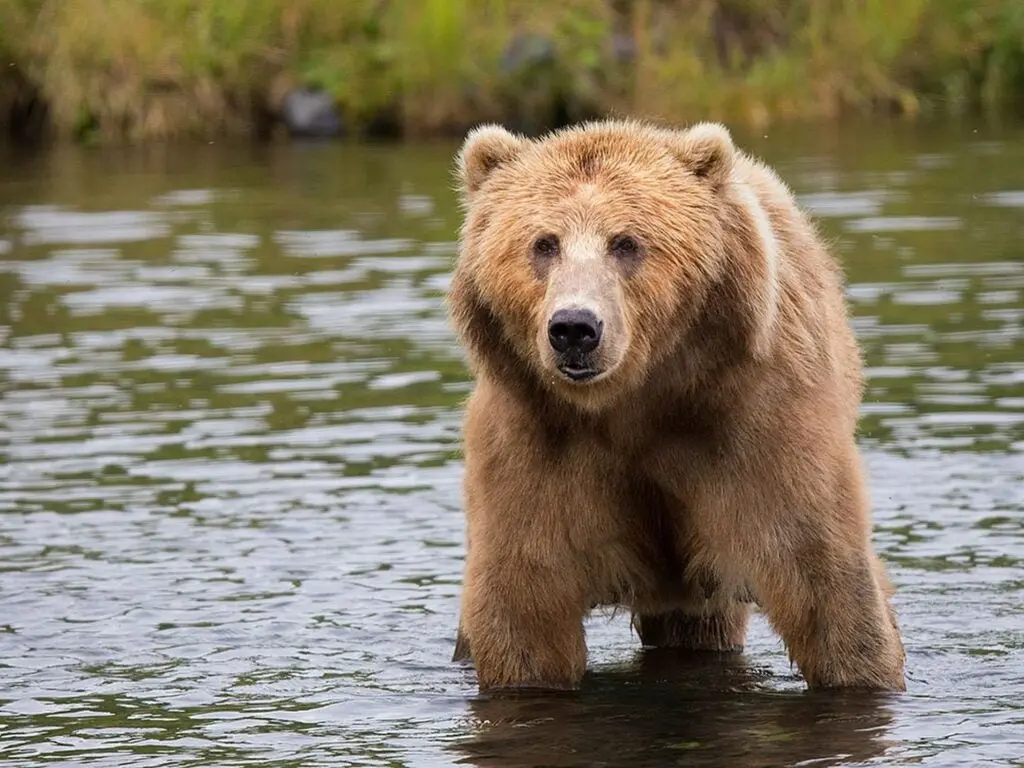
(587, 257)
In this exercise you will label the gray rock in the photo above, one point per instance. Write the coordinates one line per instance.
(311, 114)
(527, 51)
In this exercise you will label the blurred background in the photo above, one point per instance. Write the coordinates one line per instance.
(141, 69)
(231, 526)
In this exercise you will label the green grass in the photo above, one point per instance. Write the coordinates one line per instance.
(130, 70)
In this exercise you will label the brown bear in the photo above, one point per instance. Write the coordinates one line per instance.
(664, 416)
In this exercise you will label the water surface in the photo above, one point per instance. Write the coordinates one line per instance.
(230, 516)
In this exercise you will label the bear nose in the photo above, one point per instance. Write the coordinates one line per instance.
(576, 330)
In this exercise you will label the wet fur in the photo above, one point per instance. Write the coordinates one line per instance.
(714, 466)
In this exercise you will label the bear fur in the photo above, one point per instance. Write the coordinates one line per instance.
(664, 416)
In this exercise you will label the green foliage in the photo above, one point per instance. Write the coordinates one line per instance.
(138, 69)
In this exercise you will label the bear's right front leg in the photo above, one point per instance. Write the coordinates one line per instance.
(522, 621)
(531, 515)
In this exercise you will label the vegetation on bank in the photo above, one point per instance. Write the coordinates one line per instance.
(141, 69)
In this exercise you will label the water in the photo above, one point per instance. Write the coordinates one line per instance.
(230, 524)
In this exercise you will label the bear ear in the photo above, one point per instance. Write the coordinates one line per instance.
(485, 148)
(707, 150)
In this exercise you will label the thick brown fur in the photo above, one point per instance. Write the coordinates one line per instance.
(713, 462)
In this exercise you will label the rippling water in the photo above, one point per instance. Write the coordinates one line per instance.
(230, 524)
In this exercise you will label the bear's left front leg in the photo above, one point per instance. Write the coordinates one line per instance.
(834, 618)
(803, 540)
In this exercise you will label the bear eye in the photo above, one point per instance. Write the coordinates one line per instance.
(624, 246)
(546, 246)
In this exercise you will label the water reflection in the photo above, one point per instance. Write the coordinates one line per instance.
(687, 710)
(230, 524)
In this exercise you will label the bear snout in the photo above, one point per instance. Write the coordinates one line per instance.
(574, 334)
(574, 331)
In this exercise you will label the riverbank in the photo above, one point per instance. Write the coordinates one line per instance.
(137, 70)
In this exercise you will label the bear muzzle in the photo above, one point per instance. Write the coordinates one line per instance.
(574, 335)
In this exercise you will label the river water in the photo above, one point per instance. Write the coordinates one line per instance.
(230, 517)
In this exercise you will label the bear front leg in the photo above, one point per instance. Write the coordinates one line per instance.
(522, 624)
(835, 622)
(722, 629)
(808, 555)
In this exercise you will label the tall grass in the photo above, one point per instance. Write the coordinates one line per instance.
(144, 69)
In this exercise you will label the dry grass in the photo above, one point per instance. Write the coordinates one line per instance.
(118, 70)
